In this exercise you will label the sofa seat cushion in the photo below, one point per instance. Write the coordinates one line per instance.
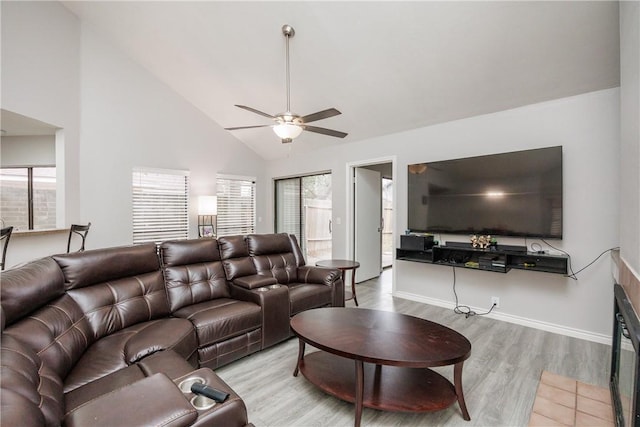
(152, 401)
(168, 362)
(221, 319)
(305, 296)
(219, 354)
(131, 345)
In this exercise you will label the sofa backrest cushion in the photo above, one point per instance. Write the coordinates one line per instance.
(25, 289)
(31, 393)
(233, 247)
(185, 252)
(116, 287)
(87, 268)
(296, 250)
(235, 257)
(58, 332)
(267, 244)
(273, 256)
(193, 272)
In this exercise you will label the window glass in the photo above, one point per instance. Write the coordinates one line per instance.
(303, 208)
(16, 210)
(44, 198)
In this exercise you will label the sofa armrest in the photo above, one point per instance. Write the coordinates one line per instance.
(155, 400)
(275, 305)
(254, 281)
(323, 276)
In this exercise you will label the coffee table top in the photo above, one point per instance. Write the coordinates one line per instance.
(381, 337)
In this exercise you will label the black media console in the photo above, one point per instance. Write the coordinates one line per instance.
(500, 259)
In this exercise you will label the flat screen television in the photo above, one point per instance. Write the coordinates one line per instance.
(508, 194)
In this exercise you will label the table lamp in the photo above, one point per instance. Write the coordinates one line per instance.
(207, 213)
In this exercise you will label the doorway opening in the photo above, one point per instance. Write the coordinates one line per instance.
(371, 216)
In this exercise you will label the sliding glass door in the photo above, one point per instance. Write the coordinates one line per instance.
(303, 208)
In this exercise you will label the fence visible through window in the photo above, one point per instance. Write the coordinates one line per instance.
(28, 197)
(303, 208)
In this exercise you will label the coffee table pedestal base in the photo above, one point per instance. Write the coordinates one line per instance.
(387, 388)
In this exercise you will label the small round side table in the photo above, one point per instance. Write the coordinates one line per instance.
(343, 265)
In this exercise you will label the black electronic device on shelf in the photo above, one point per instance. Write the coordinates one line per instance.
(416, 242)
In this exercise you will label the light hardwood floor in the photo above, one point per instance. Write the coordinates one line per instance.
(499, 379)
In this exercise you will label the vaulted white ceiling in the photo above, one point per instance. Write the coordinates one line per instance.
(387, 66)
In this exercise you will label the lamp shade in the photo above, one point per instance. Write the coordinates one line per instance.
(207, 205)
(287, 130)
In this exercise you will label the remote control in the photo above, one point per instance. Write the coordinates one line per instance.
(212, 393)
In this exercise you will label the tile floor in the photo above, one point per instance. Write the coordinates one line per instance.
(562, 401)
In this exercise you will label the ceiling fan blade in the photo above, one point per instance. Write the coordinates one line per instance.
(253, 110)
(325, 114)
(325, 131)
(248, 127)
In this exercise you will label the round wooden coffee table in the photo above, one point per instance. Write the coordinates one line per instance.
(391, 353)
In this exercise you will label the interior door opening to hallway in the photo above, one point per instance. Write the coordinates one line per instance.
(372, 214)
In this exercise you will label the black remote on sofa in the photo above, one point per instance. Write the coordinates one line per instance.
(212, 393)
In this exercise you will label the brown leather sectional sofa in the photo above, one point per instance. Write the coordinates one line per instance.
(105, 337)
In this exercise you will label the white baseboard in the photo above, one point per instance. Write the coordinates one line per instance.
(518, 320)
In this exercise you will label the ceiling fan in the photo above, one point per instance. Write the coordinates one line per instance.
(288, 125)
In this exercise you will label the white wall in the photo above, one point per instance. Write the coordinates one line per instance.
(114, 115)
(587, 128)
(630, 134)
(41, 80)
(36, 150)
(130, 118)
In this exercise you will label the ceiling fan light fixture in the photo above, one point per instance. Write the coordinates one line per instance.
(287, 130)
(289, 125)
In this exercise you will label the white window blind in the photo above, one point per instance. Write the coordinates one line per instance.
(236, 205)
(160, 205)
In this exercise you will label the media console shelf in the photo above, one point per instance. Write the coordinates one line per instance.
(499, 260)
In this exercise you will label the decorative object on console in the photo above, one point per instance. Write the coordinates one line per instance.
(207, 214)
(289, 125)
(482, 242)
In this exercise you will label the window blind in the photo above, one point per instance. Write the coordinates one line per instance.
(160, 205)
(236, 205)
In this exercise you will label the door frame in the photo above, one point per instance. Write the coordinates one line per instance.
(350, 194)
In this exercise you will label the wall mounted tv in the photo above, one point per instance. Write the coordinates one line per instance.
(508, 194)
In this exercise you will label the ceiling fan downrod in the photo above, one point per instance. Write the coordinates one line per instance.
(288, 32)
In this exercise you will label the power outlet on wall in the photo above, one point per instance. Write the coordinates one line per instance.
(495, 301)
